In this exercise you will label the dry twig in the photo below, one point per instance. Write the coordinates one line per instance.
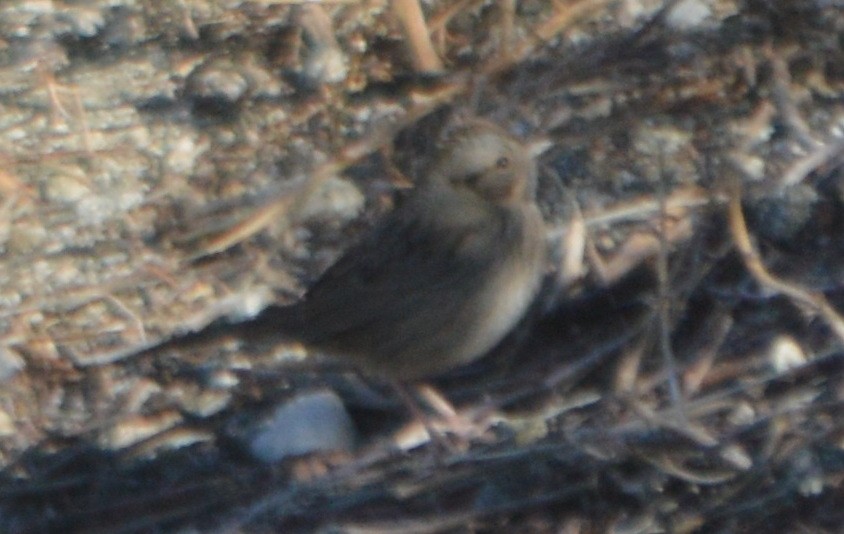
(815, 301)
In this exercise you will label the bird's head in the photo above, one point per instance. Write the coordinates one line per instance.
(485, 160)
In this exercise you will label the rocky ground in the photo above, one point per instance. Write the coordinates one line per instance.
(168, 164)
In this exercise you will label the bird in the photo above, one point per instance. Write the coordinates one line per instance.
(437, 282)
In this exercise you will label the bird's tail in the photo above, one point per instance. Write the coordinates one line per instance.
(273, 324)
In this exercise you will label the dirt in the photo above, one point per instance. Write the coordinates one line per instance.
(165, 165)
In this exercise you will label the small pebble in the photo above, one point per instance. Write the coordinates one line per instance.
(311, 422)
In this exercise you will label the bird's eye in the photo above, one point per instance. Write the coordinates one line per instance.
(472, 179)
(503, 162)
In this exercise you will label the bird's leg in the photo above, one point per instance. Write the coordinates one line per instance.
(443, 407)
(434, 434)
(451, 430)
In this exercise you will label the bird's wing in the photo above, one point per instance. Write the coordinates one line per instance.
(406, 270)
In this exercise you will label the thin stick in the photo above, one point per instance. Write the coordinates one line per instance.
(753, 262)
(664, 297)
(409, 15)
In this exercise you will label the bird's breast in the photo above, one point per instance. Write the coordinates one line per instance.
(512, 285)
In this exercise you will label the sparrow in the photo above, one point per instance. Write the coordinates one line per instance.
(437, 283)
